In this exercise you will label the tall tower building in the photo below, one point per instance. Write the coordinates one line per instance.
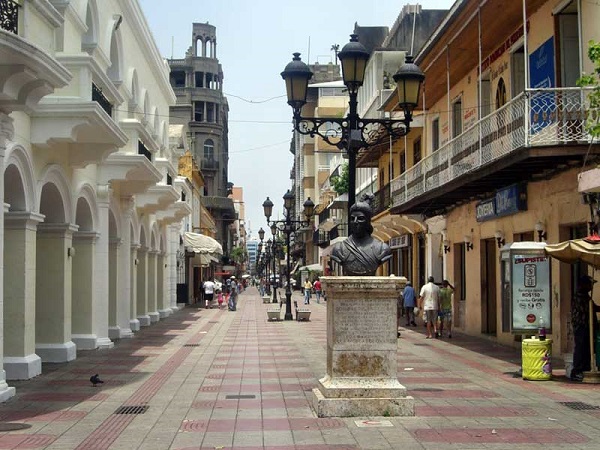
(197, 81)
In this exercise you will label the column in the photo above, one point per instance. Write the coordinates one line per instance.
(152, 285)
(162, 295)
(84, 297)
(172, 249)
(114, 284)
(142, 287)
(20, 360)
(53, 292)
(6, 134)
(123, 328)
(100, 306)
(134, 323)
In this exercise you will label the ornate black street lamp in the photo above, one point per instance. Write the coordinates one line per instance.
(353, 133)
(288, 227)
(275, 253)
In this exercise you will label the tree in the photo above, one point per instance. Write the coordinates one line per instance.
(238, 255)
(341, 183)
(593, 79)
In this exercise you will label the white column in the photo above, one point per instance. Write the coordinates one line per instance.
(84, 296)
(100, 311)
(152, 286)
(174, 246)
(162, 280)
(142, 287)
(121, 329)
(114, 284)
(53, 292)
(6, 134)
(20, 360)
(134, 323)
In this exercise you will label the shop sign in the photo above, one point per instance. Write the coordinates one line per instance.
(400, 241)
(509, 200)
(531, 295)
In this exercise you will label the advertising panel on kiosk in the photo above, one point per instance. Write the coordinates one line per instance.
(526, 287)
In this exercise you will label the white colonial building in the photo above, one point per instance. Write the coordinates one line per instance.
(92, 200)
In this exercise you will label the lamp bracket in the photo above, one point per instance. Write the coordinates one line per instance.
(336, 132)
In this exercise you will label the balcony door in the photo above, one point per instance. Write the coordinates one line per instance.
(568, 35)
(517, 72)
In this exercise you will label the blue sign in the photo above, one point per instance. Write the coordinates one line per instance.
(541, 76)
(509, 200)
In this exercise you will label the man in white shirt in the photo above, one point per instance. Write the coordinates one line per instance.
(429, 299)
(209, 291)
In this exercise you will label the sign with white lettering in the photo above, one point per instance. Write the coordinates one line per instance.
(508, 200)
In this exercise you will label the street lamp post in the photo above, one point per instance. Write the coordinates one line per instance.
(275, 258)
(288, 227)
(353, 133)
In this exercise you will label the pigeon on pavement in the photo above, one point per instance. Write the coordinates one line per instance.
(95, 380)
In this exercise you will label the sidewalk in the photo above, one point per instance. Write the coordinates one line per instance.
(215, 379)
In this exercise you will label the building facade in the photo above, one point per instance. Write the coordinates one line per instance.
(92, 197)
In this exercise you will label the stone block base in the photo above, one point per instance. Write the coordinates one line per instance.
(56, 353)
(266, 299)
(134, 325)
(359, 407)
(274, 314)
(164, 313)
(303, 314)
(23, 367)
(144, 321)
(154, 316)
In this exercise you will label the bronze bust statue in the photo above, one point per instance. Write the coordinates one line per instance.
(360, 254)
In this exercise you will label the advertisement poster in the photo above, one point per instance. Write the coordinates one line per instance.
(531, 295)
(541, 72)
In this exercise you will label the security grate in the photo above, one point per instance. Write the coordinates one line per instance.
(580, 406)
(421, 345)
(132, 409)
(191, 345)
(426, 389)
(239, 397)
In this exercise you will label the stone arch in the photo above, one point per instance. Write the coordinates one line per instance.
(155, 239)
(90, 38)
(134, 88)
(145, 106)
(114, 72)
(19, 187)
(54, 195)
(86, 209)
(143, 233)
(114, 225)
(135, 229)
(155, 121)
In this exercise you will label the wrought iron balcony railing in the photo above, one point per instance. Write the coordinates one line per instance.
(382, 200)
(536, 117)
(340, 230)
(321, 238)
(209, 164)
(9, 16)
(98, 96)
(324, 215)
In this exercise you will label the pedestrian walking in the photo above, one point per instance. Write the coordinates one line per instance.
(307, 288)
(220, 298)
(317, 287)
(429, 303)
(233, 294)
(409, 297)
(446, 308)
(209, 291)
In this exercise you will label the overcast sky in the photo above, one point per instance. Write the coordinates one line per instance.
(255, 41)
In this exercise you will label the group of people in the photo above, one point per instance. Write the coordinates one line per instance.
(228, 294)
(308, 289)
(433, 302)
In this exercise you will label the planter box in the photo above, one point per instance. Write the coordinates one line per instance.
(303, 314)
(274, 314)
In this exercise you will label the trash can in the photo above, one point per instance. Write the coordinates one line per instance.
(537, 359)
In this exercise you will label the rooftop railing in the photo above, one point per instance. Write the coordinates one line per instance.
(9, 16)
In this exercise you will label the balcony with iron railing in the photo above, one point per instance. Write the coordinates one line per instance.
(324, 215)
(537, 130)
(9, 16)
(209, 164)
(143, 150)
(321, 238)
(382, 200)
(339, 231)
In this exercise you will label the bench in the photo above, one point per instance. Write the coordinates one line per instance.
(274, 314)
(266, 299)
(302, 314)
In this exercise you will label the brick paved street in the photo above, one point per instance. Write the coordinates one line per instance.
(214, 379)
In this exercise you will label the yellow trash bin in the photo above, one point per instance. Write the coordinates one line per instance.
(537, 359)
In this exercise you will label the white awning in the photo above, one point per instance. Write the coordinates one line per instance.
(311, 268)
(204, 245)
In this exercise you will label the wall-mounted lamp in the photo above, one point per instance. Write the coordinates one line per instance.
(446, 244)
(468, 243)
(71, 252)
(542, 235)
(499, 235)
(136, 261)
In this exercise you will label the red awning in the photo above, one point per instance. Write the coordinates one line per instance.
(222, 273)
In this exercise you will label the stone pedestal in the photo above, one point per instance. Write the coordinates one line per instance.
(362, 347)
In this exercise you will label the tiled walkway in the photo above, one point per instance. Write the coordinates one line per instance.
(214, 379)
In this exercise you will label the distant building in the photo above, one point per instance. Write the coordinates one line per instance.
(197, 81)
